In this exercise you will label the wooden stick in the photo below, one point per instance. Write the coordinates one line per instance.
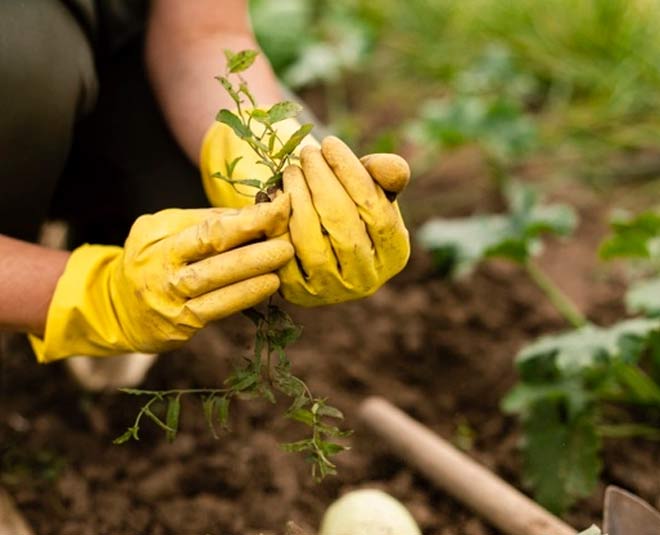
(499, 503)
(11, 520)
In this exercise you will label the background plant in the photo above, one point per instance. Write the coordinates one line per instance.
(583, 75)
(578, 387)
(267, 372)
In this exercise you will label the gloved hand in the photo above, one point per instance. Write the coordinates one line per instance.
(178, 270)
(349, 238)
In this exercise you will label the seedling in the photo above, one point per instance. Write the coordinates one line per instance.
(574, 387)
(255, 126)
(268, 372)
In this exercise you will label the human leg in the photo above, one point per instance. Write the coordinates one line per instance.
(48, 82)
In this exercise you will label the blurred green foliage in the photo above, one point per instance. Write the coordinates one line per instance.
(458, 245)
(519, 78)
(312, 41)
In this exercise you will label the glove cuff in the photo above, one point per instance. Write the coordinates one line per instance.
(81, 319)
(222, 146)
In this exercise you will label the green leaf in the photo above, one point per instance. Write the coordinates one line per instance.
(584, 349)
(266, 393)
(235, 123)
(283, 110)
(242, 380)
(641, 388)
(155, 419)
(130, 433)
(238, 62)
(221, 406)
(460, 244)
(644, 297)
(229, 88)
(331, 448)
(302, 415)
(294, 141)
(523, 397)
(457, 245)
(251, 182)
(562, 462)
(321, 469)
(333, 431)
(243, 88)
(275, 180)
(329, 411)
(172, 417)
(633, 237)
(260, 116)
(254, 315)
(231, 166)
(272, 139)
(208, 407)
(290, 386)
(282, 330)
(298, 446)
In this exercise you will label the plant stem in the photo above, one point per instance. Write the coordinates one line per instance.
(555, 295)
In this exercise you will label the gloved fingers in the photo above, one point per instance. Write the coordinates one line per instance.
(392, 247)
(231, 299)
(326, 287)
(390, 171)
(306, 233)
(232, 266)
(370, 199)
(317, 251)
(382, 218)
(337, 212)
(152, 228)
(226, 229)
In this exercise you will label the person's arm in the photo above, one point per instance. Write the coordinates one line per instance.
(28, 276)
(184, 51)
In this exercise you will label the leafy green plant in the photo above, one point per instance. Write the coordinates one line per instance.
(267, 372)
(255, 126)
(458, 245)
(569, 388)
(578, 387)
(484, 108)
(581, 74)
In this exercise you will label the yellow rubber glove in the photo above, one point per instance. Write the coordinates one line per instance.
(178, 270)
(349, 238)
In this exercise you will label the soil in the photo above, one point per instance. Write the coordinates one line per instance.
(442, 351)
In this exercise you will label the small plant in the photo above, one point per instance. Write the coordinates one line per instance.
(268, 371)
(264, 140)
(577, 387)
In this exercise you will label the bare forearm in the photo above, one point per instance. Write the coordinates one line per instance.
(28, 276)
(185, 44)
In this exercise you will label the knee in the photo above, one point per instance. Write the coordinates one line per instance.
(48, 79)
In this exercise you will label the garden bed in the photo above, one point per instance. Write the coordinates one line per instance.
(441, 351)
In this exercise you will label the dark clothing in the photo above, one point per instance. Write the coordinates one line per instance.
(81, 136)
(109, 24)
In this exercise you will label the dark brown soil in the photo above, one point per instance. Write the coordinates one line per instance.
(442, 351)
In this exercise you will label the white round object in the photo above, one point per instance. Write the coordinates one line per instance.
(368, 512)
